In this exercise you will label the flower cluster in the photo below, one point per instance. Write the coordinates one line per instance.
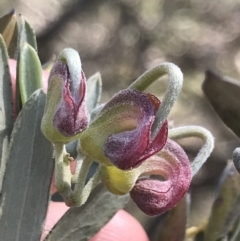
(128, 136)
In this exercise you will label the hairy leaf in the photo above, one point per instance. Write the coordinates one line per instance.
(13, 44)
(94, 91)
(6, 108)
(26, 34)
(25, 192)
(9, 31)
(223, 94)
(81, 223)
(29, 72)
(5, 21)
(226, 206)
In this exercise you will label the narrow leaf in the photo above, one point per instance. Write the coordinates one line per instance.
(12, 47)
(8, 31)
(5, 20)
(26, 184)
(226, 206)
(223, 94)
(29, 70)
(174, 226)
(81, 223)
(94, 91)
(6, 108)
(26, 34)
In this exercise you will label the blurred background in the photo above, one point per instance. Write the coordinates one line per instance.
(124, 38)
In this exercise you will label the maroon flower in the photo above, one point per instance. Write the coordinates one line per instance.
(121, 133)
(70, 117)
(65, 114)
(154, 196)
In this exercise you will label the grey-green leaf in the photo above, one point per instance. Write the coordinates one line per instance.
(174, 226)
(5, 20)
(29, 77)
(6, 108)
(223, 94)
(12, 47)
(226, 208)
(9, 31)
(81, 223)
(26, 34)
(25, 192)
(94, 91)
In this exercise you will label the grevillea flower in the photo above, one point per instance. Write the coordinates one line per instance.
(153, 196)
(129, 138)
(65, 113)
(121, 134)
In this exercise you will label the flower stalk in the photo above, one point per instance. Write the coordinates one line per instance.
(62, 170)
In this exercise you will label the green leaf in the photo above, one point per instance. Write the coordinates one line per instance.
(94, 91)
(6, 108)
(223, 94)
(226, 208)
(25, 192)
(5, 20)
(9, 31)
(81, 223)
(13, 44)
(174, 226)
(26, 34)
(29, 70)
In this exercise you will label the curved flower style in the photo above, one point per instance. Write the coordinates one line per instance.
(153, 196)
(121, 133)
(65, 113)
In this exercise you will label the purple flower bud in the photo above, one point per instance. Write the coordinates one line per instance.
(70, 117)
(154, 196)
(65, 114)
(121, 134)
(129, 149)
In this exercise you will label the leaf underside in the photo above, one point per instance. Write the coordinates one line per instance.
(29, 69)
(25, 192)
(6, 108)
(94, 91)
(81, 223)
(26, 34)
(223, 94)
(9, 30)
